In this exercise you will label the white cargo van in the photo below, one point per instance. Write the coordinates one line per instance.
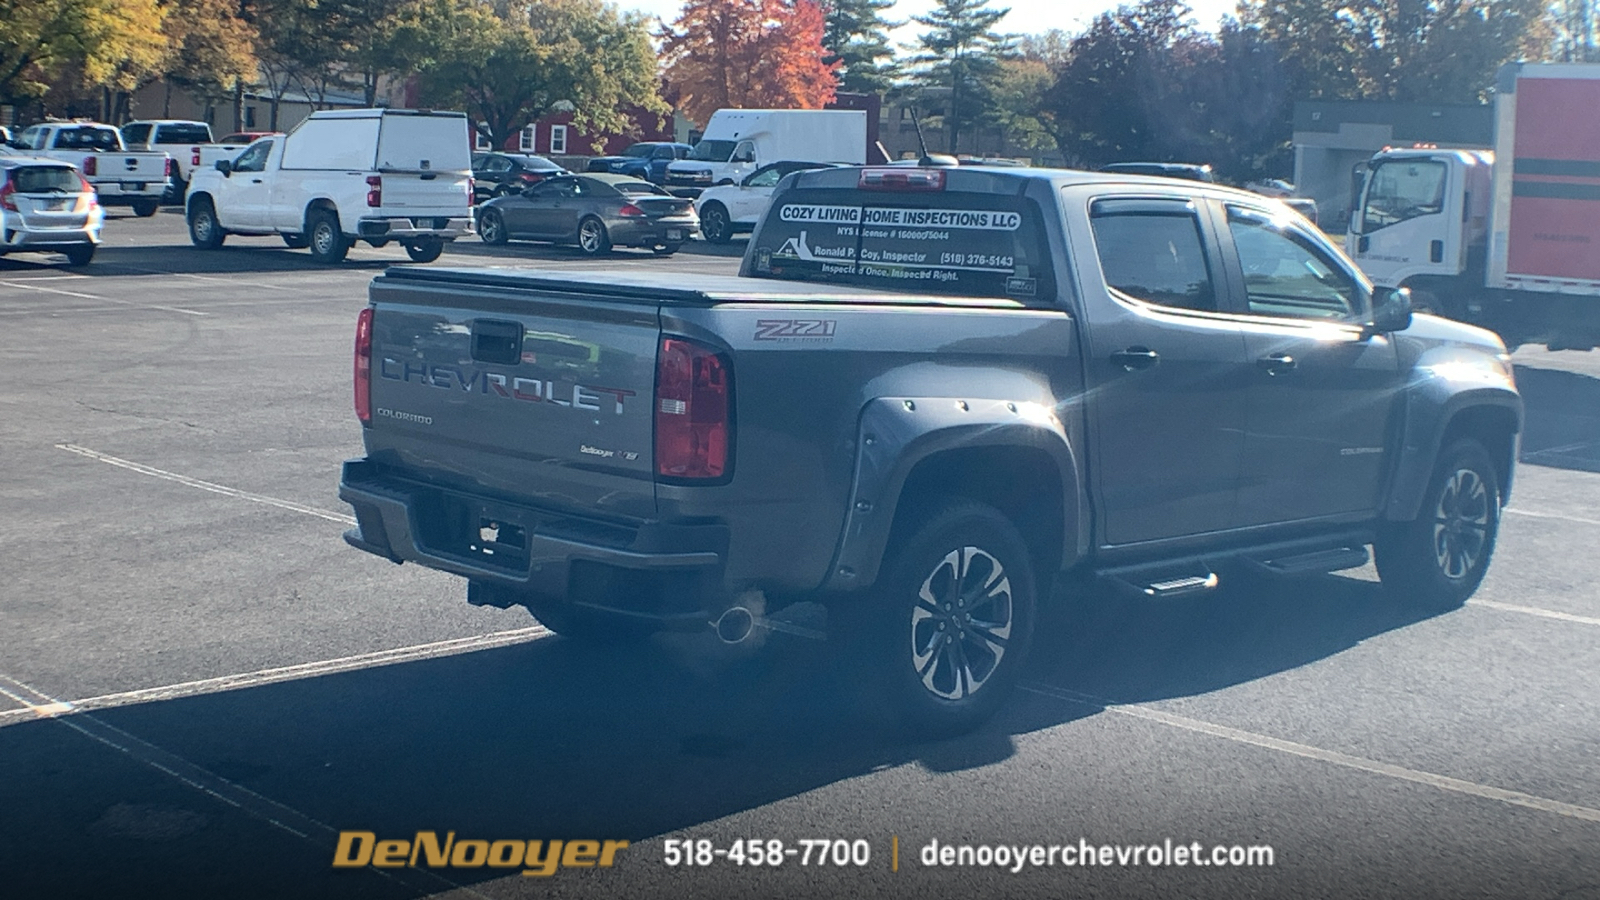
(739, 141)
(376, 175)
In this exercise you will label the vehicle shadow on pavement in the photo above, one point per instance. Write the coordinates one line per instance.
(558, 739)
(1561, 427)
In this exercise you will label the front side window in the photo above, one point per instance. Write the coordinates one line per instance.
(768, 177)
(1151, 251)
(497, 164)
(253, 159)
(745, 152)
(1402, 189)
(1284, 275)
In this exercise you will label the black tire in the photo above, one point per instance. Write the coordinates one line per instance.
(205, 231)
(667, 250)
(492, 228)
(144, 209)
(79, 255)
(1437, 560)
(715, 223)
(586, 625)
(295, 241)
(592, 237)
(972, 558)
(425, 250)
(328, 243)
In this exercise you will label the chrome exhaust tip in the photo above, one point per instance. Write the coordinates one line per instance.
(735, 625)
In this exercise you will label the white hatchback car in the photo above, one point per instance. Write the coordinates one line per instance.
(46, 206)
(732, 208)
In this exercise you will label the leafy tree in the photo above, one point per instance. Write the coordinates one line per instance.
(721, 54)
(856, 36)
(210, 48)
(1408, 50)
(1024, 83)
(959, 56)
(510, 63)
(100, 39)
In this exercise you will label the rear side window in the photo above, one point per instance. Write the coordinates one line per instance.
(102, 139)
(945, 242)
(183, 134)
(1152, 251)
(45, 180)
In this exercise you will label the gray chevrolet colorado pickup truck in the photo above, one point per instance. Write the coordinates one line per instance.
(929, 398)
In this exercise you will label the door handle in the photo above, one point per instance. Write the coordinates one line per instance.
(1276, 364)
(1135, 358)
(255, 181)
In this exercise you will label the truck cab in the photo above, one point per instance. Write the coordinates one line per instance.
(739, 141)
(1423, 214)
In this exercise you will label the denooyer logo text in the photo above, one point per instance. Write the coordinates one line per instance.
(536, 858)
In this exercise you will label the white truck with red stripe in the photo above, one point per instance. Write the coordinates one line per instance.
(1508, 239)
(374, 175)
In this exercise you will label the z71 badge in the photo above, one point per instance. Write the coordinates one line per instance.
(794, 329)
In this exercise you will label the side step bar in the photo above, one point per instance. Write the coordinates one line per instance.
(1161, 584)
(1331, 560)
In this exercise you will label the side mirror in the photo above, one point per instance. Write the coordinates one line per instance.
(1391, 310)
(225, 166)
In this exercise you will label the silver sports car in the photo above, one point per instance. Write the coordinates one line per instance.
(596, 212)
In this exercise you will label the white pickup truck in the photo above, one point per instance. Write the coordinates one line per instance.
(190, 144)
(375, 175)
(120, 177)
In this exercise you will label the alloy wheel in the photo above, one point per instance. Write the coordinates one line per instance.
(961, 624)
(1461, 524)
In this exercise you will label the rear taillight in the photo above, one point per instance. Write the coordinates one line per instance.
(363, 366)
(531, 177)
(472, 191)
(8, 196)
(194, 157)
(374, 190)
(90, 165)
(172, 167)
(693, 407)
(630, 211)
(94, 199)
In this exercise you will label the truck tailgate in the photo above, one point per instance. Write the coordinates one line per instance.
(425, 194)
(516, 391)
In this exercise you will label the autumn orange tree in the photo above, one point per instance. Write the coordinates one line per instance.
(749, 54)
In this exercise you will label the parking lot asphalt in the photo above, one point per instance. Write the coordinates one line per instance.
(201, 685)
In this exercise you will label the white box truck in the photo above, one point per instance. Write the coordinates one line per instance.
(1509, 239)
(739, 141)
(375, 175)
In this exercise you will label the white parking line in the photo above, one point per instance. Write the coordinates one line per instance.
(1541, 515)
(1333, 757)
(208, 485)
(1535, 611)
(41, 705)
(279, 815)
(83, 296)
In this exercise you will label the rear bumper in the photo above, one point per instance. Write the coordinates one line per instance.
(630, 232)
(664, 573)
(447, 227)
(126, 193)
(15, 235)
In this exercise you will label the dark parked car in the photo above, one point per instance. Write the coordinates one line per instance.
(647, 160)
(595, 212)
(497, 174)
(1190, 171)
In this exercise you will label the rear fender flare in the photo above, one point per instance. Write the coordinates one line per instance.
(898, 433)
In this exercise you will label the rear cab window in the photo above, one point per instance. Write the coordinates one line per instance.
(937, 241)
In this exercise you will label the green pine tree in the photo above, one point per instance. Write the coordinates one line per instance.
(959, 57)
(856, 36)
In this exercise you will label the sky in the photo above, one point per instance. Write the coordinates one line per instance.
(1027, 16)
